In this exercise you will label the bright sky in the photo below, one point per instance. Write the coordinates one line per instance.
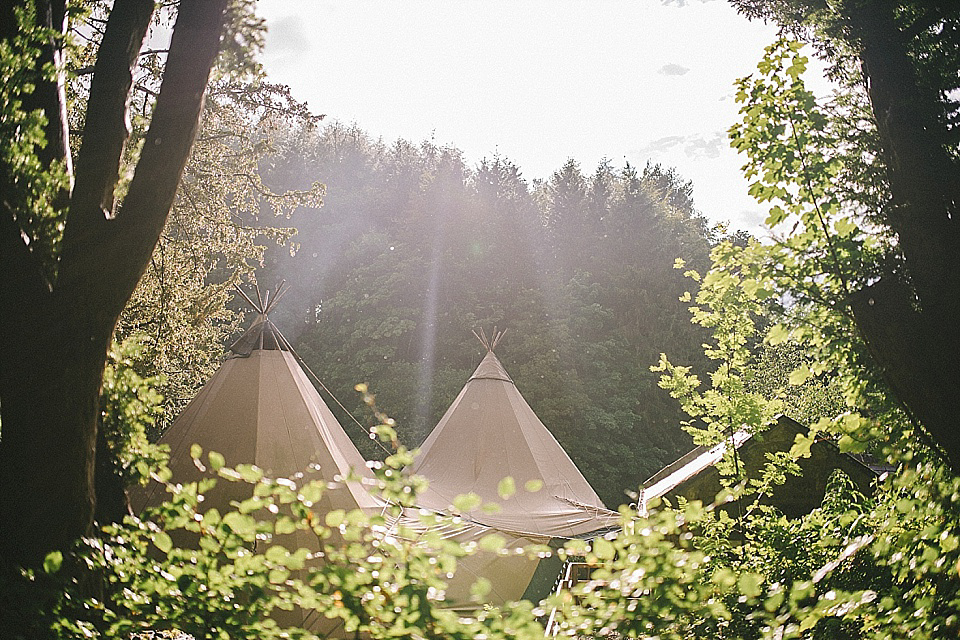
(536, 81)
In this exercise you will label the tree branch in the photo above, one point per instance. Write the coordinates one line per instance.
(932, 17)
(923, 179)
(22, 281)
(129, 240)
(107, 125)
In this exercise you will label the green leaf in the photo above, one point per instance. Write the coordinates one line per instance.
(211, 518)
(533, 485)
(162, 541)
(467, 502)
(277, 576)
(298, 559)
(800, 375)
(196, 451)
(492, 542)
(335, 518)
(723, 577)
(845, 226)
(576, 547)
(284, 526)
(250, 472)
(801, 446)
(480, 588)
(216, 460)
(506, 488)
(848, 444)
(276, 554)
(603, 549)
(53, 562)
(749, 584)
(311, 493)
(776, 216)
(240, 523)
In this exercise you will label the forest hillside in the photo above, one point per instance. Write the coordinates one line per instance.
(414, 249)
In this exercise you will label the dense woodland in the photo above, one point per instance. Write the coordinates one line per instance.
(413, 250)
(138, 185)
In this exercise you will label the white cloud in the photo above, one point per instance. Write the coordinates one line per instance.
(696, 146)
(672, 69)
(710, 146)
(287, 35)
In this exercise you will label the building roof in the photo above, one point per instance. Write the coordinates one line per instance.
(690, 471)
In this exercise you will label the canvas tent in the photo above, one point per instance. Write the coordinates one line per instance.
(508, 575)
(488, 434)
(260, 408)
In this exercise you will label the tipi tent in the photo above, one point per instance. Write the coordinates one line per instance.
(488, 434)
(260, 408)
(508, 574)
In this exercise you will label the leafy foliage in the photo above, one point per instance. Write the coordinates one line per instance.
(130, 407)
(29, 186)
(580, 267)
(857, 567)
(222, 216)
(214, 239)
(255, 570)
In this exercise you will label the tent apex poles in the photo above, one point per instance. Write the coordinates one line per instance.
(265, 303)
(278, 293)
(489, 343)
(261, 308)
(253, 305)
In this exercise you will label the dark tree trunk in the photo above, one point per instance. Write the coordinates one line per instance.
(912, 321)
(50, 411)
(56, 337)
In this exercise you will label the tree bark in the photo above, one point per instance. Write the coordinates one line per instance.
(912, 321)
(56, 339)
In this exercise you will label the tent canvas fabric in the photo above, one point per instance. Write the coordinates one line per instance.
(509, 573)
(490, 433)
(260, 408)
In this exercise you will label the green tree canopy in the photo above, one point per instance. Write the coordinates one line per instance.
(413, 250)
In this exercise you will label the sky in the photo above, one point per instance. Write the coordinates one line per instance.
(534, 81)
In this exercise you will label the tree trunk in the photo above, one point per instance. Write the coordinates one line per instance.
(50, 410)
(51, 367)
(912, 323)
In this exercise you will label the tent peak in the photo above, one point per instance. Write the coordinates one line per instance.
(491, 342)
(491, 369)
(264, 303)
(262, 334)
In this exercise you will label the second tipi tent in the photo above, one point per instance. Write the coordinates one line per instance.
(490, 433)
(491, 443)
